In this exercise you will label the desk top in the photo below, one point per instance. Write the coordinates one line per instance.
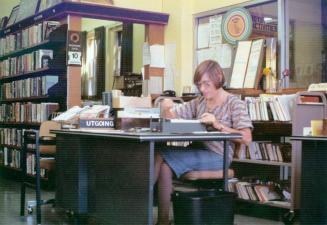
(151, 136)
(309, 138)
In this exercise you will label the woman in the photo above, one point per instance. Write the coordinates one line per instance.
(218, 110)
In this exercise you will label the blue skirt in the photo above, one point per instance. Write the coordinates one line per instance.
(183, 159)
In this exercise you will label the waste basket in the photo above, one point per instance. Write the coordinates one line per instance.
(203, 207)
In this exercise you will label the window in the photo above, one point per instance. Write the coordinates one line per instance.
(264, 17)
(307, 45)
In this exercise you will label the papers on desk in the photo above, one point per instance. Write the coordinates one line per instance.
(99, 131)
(131, 112)
(208, 132)
(184, 121)
(70, 113)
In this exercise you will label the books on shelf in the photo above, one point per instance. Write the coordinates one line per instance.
(11, 136)
(27, 8)
(11, 157)
(268, 107)
(26, 63)
(27, 112)
(27, 37)
(31, 87)
(258, 191)
(265, 150)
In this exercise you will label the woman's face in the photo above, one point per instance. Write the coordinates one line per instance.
(207, 87)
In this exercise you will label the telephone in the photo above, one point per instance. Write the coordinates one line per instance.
(169, 93)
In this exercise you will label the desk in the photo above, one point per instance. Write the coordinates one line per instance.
(110, 175)
(313, 205)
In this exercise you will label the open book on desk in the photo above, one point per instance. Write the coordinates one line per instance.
(70, 114)
(87, 112)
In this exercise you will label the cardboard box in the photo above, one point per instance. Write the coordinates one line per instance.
(128, 101)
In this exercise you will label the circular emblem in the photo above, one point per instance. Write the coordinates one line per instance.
(74, 37)
(237, 25)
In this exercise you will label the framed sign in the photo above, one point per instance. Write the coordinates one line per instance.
(74, 51)
(237, 25)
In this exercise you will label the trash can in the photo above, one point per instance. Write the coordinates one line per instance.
(203, 207)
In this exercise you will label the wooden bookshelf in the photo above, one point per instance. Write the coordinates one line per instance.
(17, 124)
(263, 162)
(35, 73)
(11, 146)
(272, 128)
(282, 204)
(48, 44)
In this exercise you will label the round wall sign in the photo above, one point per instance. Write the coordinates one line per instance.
(237, 25)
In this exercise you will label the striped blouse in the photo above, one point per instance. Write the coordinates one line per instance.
(233, 113)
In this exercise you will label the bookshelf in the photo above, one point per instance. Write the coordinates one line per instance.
(33, 84)
(267, 170)
(68, 92)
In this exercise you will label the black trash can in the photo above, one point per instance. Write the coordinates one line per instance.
(203, 207)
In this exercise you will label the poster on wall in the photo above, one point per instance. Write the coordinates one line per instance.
(74, 48)
(237, 25)
(215, 30)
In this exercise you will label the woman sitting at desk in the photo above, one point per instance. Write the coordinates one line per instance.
(217, 109)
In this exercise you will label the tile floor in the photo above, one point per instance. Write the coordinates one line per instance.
(10, 205)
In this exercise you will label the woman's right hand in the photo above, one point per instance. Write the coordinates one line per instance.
(166, 107)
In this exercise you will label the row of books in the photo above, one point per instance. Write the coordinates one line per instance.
(30, 165)
(265, 150)
(37, 86)
(11, 136)
(11, 157)
(26, 63)
(27, 37)
(268, 107)
(262, 192)
(27, 112)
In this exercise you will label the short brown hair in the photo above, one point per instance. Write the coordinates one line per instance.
(213, 69)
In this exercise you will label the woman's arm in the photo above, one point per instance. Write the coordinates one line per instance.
(210, 119)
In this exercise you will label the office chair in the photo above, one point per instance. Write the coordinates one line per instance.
(42, 144)
(201, 179)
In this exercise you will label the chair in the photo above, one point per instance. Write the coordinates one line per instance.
(42, 144)
(206, 179)
(201, 179)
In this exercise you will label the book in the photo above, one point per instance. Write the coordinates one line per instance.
(70, 113)
(13, 16)
(48, 81)
(96, 111)
(254, 67)
(27, 8)
(42, 58)
(3, 22)
(48, 27)
(240, 64)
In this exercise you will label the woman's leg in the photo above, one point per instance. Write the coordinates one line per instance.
(158, 160)
(165, 188)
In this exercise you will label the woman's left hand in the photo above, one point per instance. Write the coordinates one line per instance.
(208, 118)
